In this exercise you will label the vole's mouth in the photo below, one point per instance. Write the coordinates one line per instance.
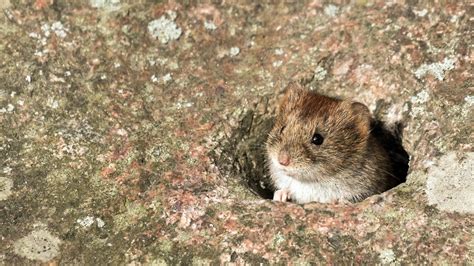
(290, 170)
(278, 168)
(300, 174)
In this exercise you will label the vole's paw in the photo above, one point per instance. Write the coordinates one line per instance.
(282, 195)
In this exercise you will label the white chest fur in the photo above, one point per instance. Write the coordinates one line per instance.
(304, 192)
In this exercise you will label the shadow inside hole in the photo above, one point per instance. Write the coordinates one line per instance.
(391, 141)
(244, 154)
(251, 158)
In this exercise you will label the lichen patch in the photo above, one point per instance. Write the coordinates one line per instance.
(450, 183)
(165, 29)
(38, 245)
(436, 69)
(108, 5)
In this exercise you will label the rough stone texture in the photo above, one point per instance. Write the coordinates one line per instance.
(121, 145)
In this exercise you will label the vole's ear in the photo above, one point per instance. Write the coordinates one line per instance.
(292, 95)
(361, 115)
(359, 109)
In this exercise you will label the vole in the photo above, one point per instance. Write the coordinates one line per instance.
(330, 150)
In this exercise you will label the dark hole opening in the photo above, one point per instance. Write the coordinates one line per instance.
(243, 153)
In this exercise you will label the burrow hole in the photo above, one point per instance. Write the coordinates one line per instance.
(243, 153)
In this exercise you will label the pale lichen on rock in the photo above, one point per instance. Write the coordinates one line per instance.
(320, 73)
(387, 256)
(88, 221)
(38, 245)
(331, 10)
(106, 4)
(209, 25)
(165, 29)
(450, 183)
(436, 69)
(419, 102)
(234, 51)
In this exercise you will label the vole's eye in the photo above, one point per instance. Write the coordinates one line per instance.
(281, 130)
(317, 139)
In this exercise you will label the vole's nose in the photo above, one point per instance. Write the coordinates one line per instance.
(284, 158)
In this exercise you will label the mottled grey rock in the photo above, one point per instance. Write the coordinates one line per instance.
(135, 145)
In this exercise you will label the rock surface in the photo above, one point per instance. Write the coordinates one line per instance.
(118, 147)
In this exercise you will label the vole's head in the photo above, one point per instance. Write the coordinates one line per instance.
(315, 137)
